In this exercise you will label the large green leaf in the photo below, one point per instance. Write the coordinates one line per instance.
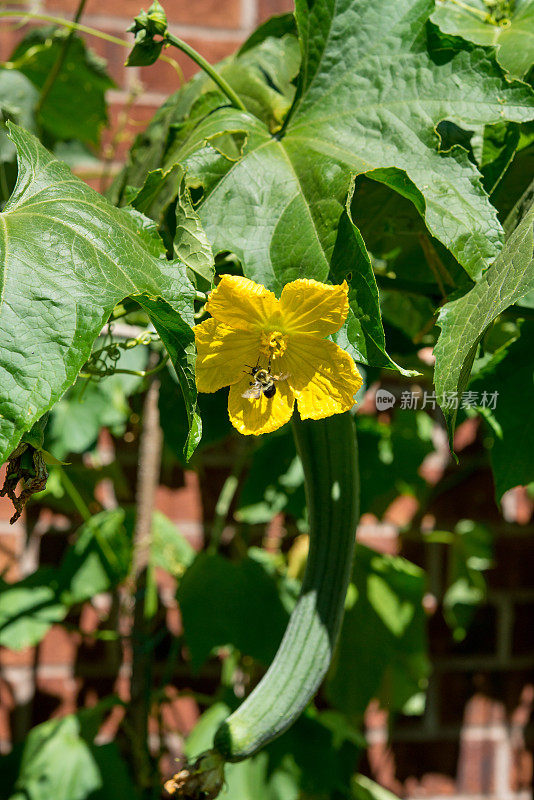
(512, 35)
(314, 758)
(464, 321)
(59, 761)
(68, 257)
(509, 377)
(371, 96)
(75, 107)
(470, 555)
(390, 457)
(382, 645)
(28, 609)
(214, 597)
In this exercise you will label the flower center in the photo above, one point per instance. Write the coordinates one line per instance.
(273, 344)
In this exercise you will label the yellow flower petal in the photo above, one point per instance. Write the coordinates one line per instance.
(223, 354)
(251, 416)
(323, 377)
(311, 307)
(242, 303)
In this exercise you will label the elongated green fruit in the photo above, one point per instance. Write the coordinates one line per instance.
(328, 452)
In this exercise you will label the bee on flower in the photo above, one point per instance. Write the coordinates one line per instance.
(284, 340)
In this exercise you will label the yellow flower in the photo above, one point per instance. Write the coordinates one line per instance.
(252, 330)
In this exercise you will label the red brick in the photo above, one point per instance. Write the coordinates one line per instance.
(517, 505)
(181, 504)
(466, 434)
(11, 545)
(161, 77)
(376, 718)
(521, 770)
(111, 724)
(522, 712)
(17, 658)
(382, 537)
(402, 510)
(209, 13)
(482, 710)
(10, 36)
(7, 704)
(476, 767)
(174, 621)
(180, 714)
(431, 785)
(59, 646)
(383, 768)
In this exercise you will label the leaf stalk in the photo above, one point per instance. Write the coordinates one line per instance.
(223, 85)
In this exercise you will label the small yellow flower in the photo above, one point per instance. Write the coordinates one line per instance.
(250, 328)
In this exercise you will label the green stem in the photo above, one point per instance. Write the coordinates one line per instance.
(74, 495)
(56, 69)
(208, 68)
(225, 498)
(75, 26)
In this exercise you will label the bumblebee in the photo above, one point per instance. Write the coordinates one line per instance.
(263, 383)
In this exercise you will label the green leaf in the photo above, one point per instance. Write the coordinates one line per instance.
(274, 482)
(99, 559)
(390, 458)
(190, 243)
(499, 144)
(363, 329)
(60, 761)
(76, 107)
(464, 321)
(512, 35)
(278, 208)
(470, 554)
(275, 27)
(68, 257)
(278, 59)
(169, 549)
(512, 378)
(382, 647)
(76, 420)
(179, 341)
(28, 609)
(314, 758)
(213, 409)
(214, 597)
(158, 191)
(363, 788)
(18, 98)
